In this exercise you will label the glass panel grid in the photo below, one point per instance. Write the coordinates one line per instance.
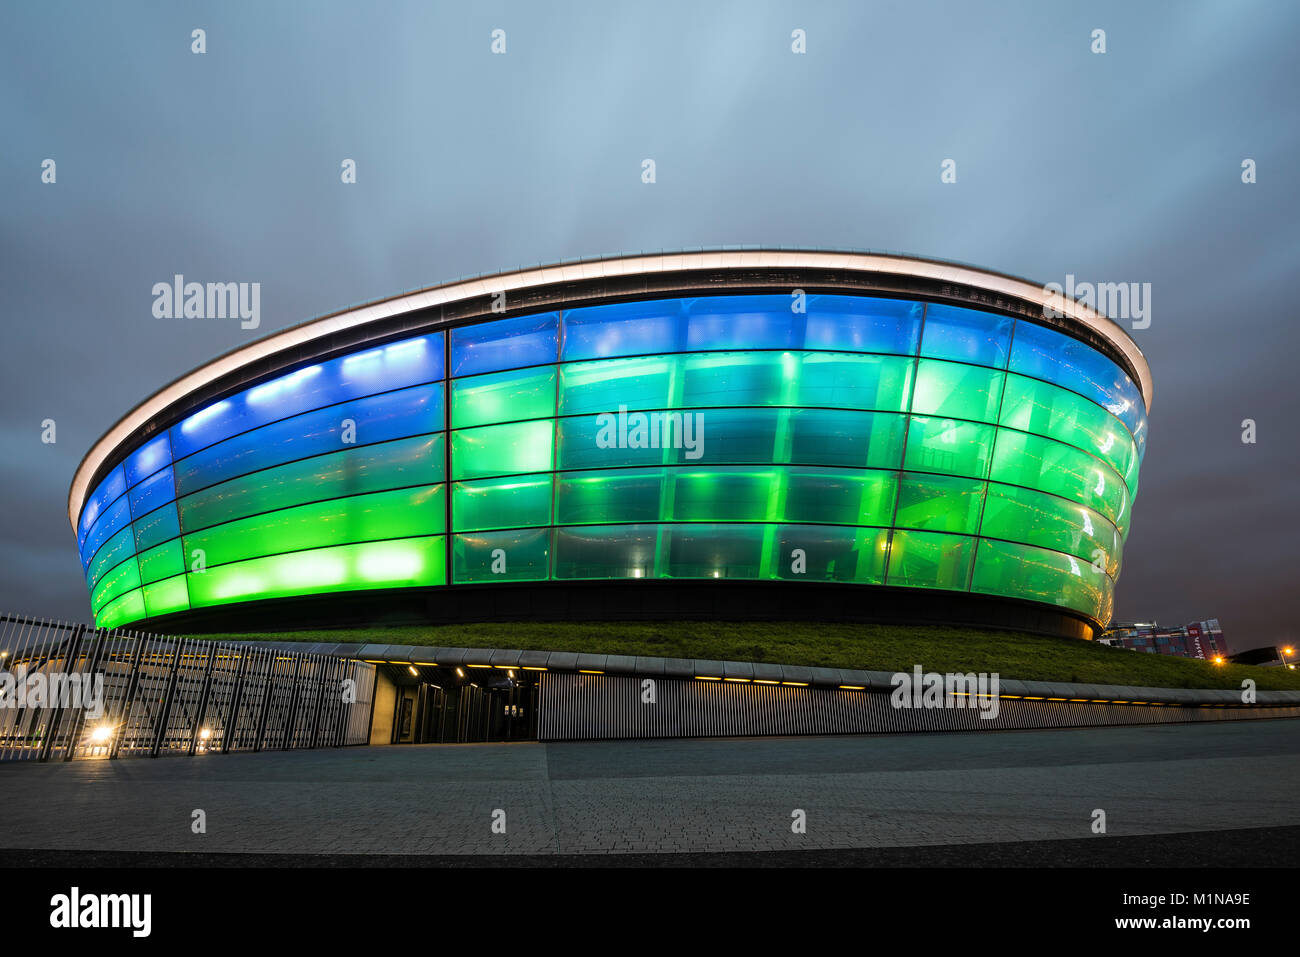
(779, 440)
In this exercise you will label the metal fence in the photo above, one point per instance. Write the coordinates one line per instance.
(68, 691)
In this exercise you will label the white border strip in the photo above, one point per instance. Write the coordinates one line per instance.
(593, 269)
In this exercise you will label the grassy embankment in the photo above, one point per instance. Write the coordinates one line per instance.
(869, 647)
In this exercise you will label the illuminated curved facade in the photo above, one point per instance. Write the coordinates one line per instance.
(849, 423)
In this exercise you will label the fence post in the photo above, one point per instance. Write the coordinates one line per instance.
(164, 716)
(228, 728)
(132, 685)
(79, 719)
(203, 698)
(266, 703)
(52, 726)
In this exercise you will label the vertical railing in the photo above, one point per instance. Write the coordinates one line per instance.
(112, 693)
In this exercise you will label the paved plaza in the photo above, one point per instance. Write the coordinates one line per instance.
(639, 797)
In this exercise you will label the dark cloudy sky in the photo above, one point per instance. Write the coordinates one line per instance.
(1116, 167)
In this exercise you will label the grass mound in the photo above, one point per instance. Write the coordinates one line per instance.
(836, 645)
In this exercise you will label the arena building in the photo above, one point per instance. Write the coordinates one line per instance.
(736, 433)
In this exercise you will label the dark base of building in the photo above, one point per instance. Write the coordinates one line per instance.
(681, 600)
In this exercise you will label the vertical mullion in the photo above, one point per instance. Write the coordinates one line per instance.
(553, 511)
(907, 432)
(446, 454)
(993, 448)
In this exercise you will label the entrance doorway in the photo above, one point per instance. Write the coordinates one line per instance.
(457, 705)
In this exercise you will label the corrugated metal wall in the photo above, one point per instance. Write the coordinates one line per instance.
(577, 707)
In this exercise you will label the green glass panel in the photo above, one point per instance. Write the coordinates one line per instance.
(379, 515)
(1052, 466)
(828, 437)
(827, 554)
(110, 554)
(731, 495)
(841, 381)
(127, 608)
(949, 446)
(514, 502)
(606, 384)
(613, 552)
(503, 397)
(616, 495)
(1125, 516)
(930, 560)
(1036, 518)
(161, 562)
(1033, 406)
(937, 503)
(158, 526)
(740, 378)
(164, 597)
(510, 556)
(714, 551)
(394, 564)
(953, 390)
(371, 468)
(835, 438)
(596, 441)
(512, 449)
(1038, 574)
(840, 496)
(116, 581)
(831, 496)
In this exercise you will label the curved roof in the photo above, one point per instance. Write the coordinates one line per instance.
(320, 330)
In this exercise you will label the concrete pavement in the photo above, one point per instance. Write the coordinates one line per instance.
(712, 795)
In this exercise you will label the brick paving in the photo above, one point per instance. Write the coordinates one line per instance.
(701, 796)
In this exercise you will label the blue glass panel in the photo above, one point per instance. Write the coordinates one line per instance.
(115, 517)
(117, 548)
(378, 419)
(109, 489)
(147, 459)
(152, 492)
(966, 335)
(624, 329)
(505, 344)
(863, 324)
(744, 322)
(1047, 354)
(394, 366)
(157, 527)
(741, 322)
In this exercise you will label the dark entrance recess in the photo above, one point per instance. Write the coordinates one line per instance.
(458, 705)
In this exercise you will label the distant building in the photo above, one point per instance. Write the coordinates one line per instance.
(1200, 639)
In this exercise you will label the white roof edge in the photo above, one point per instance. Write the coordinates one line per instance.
(608, 268)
